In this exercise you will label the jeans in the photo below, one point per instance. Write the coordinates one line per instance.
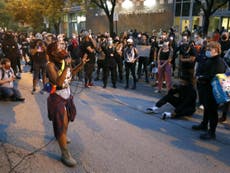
(10, 92)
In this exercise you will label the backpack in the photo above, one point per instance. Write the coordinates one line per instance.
(2, 72)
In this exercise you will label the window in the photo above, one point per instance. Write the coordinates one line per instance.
(178, 9)
(186, 9)
(196, 9)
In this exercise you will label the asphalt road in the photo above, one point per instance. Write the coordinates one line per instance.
(111, 134)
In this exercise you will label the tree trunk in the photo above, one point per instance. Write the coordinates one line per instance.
(205, 25)
(111, 24)
(56, 28)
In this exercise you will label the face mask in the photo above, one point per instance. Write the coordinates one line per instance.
(163, 36)
(224, 37)
(184, 39)
(110, 42)
(208, 54)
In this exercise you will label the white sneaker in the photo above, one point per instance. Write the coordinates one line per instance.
(153, 109)
(166, 115)
(201, 107)
(157, 91)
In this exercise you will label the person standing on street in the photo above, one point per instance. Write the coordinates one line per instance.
(110, 64)
(61, 108)
(213, 65)
(89, 47)
(164, 66)
(40, 60)
(130, 55)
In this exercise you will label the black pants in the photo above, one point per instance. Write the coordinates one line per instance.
(200, 89)
(100, 65)
(130, 67)
(113, 71)
(119, 61)
(89, 67)
(176, 102)
(143, 61)
(210, 114)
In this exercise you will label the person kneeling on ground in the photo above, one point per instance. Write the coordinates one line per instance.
(182, 96)
(7, 90)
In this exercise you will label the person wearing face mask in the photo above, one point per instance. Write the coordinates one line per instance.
(213, 65)
(110, 64)
(200, 61)
(7, 77)
(225, 43)
(225, 49)
(164, 66)
(187, 57)
(89, 46)
(143, 60)
(40, 60)
(119, 57)
(60, 104)
(76, 53)
(130, 57)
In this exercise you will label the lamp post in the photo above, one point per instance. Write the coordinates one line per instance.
(115, 19)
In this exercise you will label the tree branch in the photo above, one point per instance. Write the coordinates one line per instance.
(97, 3)
(219, 6)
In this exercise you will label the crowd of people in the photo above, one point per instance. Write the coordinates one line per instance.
(56, 59)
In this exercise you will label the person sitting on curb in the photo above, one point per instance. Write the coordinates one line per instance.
(181, 96)
(7, 90)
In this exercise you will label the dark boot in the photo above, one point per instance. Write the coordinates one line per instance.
(114, 85)
(127, 85)
(208, 136)
(200, 127)
(134, 85)
(223, 118)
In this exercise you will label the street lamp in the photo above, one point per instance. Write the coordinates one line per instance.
(127, 4)
(149, 3)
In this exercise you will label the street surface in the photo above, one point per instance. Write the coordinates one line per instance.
(111, 134)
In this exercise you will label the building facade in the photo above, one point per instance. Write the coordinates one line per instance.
(188, 13)
(142, 15)
(145, 16)
(73, 21)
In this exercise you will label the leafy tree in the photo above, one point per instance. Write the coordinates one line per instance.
(33, 12)
(209, 7)
(26, 13)
(6, 18)
(54, 12)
